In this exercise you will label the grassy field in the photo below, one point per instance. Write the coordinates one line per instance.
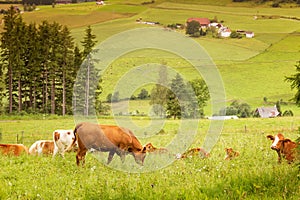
(255, 174)
(251, 69)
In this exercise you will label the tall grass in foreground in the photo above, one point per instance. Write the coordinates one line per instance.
(194, 178)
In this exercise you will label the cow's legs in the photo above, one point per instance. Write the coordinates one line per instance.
(110, 156)
(62, 153)
(279, 156)
(121, 153)
(55, 151)
(80, 156)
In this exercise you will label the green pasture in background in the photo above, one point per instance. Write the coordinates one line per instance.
(251, 68)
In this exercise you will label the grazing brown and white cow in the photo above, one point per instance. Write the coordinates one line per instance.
(194, 152)
(13, 149)
(231, 154)
(151, 149)
(107, 138)
(42, 147)
(284, 147)
(62, 140)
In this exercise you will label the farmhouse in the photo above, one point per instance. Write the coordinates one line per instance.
(204, 22)
(224, 31)
(215, 24)
(249, 34)
(99, 2)
(267, 112)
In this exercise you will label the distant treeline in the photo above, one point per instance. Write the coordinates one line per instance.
(42, 2)
(10, 2)
(51, 2)
(264, 1)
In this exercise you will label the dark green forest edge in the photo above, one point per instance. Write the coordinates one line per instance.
(275, 3)
(39, 65)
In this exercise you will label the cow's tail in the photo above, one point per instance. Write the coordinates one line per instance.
(70, 147)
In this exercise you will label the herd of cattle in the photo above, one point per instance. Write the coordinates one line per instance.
(121, 141)
(61, 139)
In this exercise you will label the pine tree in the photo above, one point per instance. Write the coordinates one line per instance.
(20, 78)
(11, 54)
(45, 51)
(175, 97)
(76, 96)
(54, 67)
(67, 71)
(33, 69)
(88, 79)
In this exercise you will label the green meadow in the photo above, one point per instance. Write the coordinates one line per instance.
(251, 69)
(255, 174)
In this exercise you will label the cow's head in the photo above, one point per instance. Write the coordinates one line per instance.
(140, 155)
(277, 140)
(149, 147)
(228, 150)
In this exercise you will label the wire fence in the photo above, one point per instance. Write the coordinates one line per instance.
(23, 136)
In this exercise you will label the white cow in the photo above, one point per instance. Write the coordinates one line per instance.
(40, 147)
(62, 139)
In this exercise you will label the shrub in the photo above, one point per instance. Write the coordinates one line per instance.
(192, 28)
(242, 110)
(196, 34)
(275, 5)
(235, 34)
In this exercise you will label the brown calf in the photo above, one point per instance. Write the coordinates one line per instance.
(230, 153)
(151, 149)
(195, 152)
(13, 149)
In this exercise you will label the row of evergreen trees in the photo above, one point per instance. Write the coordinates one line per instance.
(38, 66)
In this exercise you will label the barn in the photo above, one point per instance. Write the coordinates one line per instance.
(204, 22)
(267, 112)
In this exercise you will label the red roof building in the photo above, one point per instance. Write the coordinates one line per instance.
(202, 21)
